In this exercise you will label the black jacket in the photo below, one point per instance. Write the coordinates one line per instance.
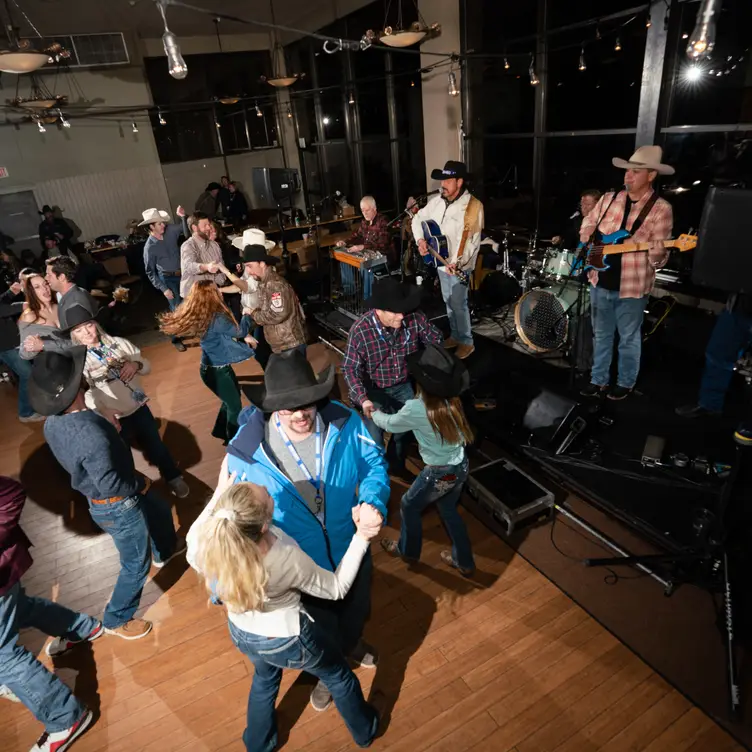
(52, 229)
(237, 207)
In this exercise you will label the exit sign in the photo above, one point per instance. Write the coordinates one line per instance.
(3, 172)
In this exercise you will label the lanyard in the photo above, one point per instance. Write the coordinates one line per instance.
(316, 483)
(395, 336)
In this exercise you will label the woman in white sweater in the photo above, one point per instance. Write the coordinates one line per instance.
(112, 370)
(258, 572)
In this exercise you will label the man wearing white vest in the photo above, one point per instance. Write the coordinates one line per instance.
(460, 216)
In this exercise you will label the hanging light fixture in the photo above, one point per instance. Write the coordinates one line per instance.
(63, 121)
(162, 121)
(649, 22)
(452, 79)
(534, 80)
(401, 36)
(280, 79)
(702, 39)
(25, 55)
(351, 100)
(617, 45)
(134, 127)
(39, 99)
(582, 66)
(258, 112)
(506, 64)
(175, 63)
(42, 129)
(289, 113)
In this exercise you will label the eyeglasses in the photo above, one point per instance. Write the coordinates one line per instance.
(304, 409)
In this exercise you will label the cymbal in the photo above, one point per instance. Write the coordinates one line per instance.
(509, 228)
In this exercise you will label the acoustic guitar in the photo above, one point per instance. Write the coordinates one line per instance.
(610, 244)
(438, 248)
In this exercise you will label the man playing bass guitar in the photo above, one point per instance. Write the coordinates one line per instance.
(618, 295)
(460, 216)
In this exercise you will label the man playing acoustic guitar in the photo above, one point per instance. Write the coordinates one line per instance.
(460, 217)
(619, 294)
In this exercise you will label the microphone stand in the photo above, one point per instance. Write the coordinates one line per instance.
(398, 219)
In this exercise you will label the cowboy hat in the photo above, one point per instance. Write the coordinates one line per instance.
(645, 158)
(393, 296)
(76, 316)
(213, 186)
(46, 209)
(452, 169)
(439, 372)
(254, 236)
(290, 383)
(56, 380)
(257, 253)
(154, 215)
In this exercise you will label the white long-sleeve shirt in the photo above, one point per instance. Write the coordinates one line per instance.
(291, 572)
(451, 219)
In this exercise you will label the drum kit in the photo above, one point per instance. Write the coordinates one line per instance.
(543, 284)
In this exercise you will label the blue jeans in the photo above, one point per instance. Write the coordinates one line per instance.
(310, 651)
(440, 485)
(172, 283)
(142, 427)
(51, 702)
(390, 400)
(731, 335)
(610, 314)
(141, 526)
(22, 369)
(455, 297)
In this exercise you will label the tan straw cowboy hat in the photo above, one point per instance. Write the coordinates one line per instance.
(645, 158)
(154, 215)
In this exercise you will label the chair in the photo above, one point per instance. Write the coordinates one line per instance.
(117, 266)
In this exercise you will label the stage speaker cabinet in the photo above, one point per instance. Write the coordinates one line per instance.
(507, 494)
(723, 257)
(274, 186)
(550, 418)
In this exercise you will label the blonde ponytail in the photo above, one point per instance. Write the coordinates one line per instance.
(229, 555)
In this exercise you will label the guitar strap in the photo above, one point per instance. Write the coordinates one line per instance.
(649, 204)
(472, 221)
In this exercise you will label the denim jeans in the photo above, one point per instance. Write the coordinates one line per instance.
(731, 335)
(141, 527)
(48, 698)
(440, 485)
(224, 383)
(141, 426)
(610, 314)
(390, 400)
(455, 297)
(310, 651)
(172, 283)
(22, 369)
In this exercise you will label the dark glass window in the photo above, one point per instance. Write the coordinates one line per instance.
(377, 173)
(506, 181)
(370, 73)
(505, 99)
(722, 92)
(232, 130)
(565, 12)
(507, 20)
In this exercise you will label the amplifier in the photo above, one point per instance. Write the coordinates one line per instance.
(509, 495)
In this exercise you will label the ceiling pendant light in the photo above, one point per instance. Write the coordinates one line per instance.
(649, 22)
(534, 80)
(617, 45)
(401, 36)
(258, 112)
(289, 113)
(351, 100)
(582, 66)
(702, 38)
(176, 65)
(134, 127)
(162, 121)
(280, 77)
(63, 121)
(506, 64)
(452, 89)
(42, 129)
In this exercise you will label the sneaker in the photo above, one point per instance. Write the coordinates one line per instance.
(364, 655)
(321, 697)
(465, 351)
(619, 393)
(57, 741)
(62, 645)
(134, 629)
(446, 557)
(392, 548)
(179, 346)
(696, 411)
(179, 487)
(7, 694)
(593, 390)
(34, 418)
(450, 343)
(180, 547)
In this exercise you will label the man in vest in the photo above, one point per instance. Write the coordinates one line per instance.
(460, 216)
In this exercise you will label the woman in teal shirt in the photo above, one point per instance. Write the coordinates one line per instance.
(437, 419)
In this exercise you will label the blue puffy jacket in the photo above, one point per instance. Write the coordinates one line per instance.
(355, 471)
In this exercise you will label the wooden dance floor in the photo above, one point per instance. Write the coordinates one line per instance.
(504, 663)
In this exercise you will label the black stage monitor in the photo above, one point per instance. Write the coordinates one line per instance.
(723, 258)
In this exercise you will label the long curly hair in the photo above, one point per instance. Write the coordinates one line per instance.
(195, 314)
(34, 303)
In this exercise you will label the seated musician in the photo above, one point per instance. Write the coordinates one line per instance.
(373, 233)
(570, 237)
(619, 294)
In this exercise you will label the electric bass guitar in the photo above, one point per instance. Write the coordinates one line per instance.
(438, 248)
(610, 244)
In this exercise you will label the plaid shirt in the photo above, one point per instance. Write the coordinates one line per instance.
(378, 354)
(638, 268)
(373, 235)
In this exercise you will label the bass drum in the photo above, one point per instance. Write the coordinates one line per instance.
(497, 290)
(543, 316)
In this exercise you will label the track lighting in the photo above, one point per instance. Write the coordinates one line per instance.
(42, 129)
(134, 127)
(63, 121)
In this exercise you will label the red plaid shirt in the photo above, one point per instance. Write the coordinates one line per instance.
(376, 355)
(637, 269)
(373, 235)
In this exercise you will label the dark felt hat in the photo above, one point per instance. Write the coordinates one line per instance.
(56, 380)
(257, 253)
(439, 372)
(452, 169)
(76, 316)
(397, 297)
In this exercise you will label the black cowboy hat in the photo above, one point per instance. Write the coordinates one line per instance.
(213, 186)
(290, 383)
(451, 169)
(439, 372)
(397, 297)
(56, 380)
(257, 253)
(46, 208)
(76, 316)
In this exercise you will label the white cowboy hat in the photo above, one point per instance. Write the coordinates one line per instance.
(645, 158)
(154, 215)
(254, 236)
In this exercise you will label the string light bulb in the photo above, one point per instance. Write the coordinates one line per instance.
(506, 64)
(162, 121)
(702, 39)
(534, 80)
(617, 45)
(134, 127)
(453, 90)
(582, 66)
(63, 121)
(351, 100)
(258, 112)
(289, 113)
(42, 129)
(175, 63)
(648, 22)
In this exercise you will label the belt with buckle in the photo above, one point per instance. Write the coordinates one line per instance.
(115, 499)
(170, 274)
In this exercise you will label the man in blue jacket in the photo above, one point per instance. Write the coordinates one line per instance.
(321, 468)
